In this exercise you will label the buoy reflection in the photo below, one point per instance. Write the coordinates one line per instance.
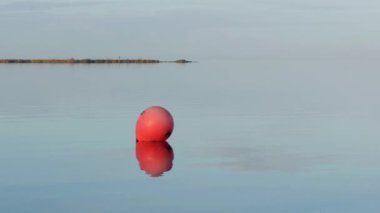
(154, 157)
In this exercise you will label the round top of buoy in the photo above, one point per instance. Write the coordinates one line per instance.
(154, 124)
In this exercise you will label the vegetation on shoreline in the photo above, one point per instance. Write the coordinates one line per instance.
(88, 61)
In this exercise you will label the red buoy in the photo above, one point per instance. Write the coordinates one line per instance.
(154, 158)
(154, 124)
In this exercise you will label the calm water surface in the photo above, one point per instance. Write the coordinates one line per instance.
(258, 136)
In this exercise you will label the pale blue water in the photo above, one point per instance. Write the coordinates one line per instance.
(258, 136)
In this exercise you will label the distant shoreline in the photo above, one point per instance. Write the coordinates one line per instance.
(89, 61)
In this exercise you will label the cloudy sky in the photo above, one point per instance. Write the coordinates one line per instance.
(195, 29)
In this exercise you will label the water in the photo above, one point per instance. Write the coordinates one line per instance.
(250, 136)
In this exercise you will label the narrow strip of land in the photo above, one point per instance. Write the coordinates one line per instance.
(88, 61)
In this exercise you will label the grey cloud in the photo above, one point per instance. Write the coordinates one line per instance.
(32, 6)
(195, 28)
(310, 5)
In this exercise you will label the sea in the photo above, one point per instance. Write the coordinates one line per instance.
(277, 136)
